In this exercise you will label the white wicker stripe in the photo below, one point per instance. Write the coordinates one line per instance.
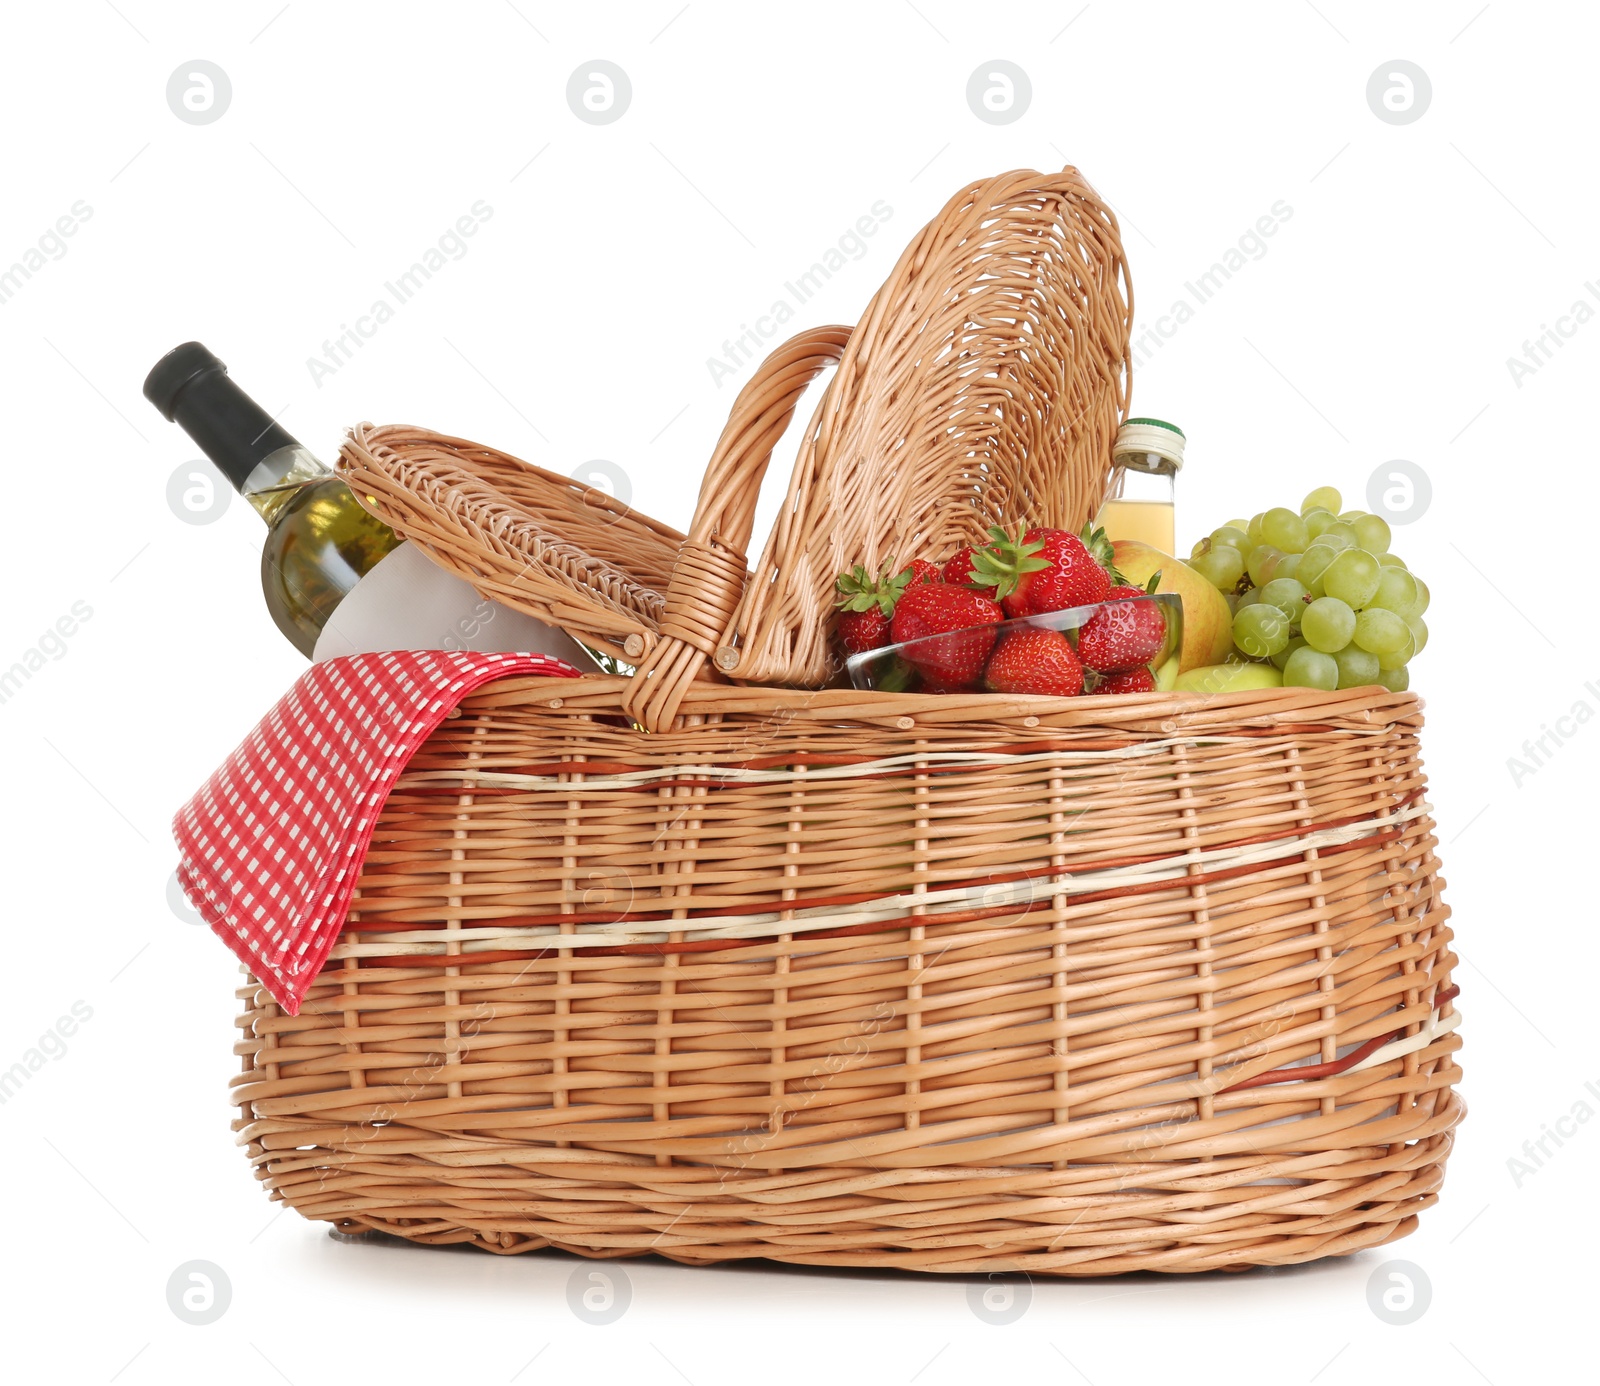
(1434, 1026)
(1175, 869)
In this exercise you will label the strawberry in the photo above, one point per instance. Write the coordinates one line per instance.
(1124, 633)
(865, 605)
(960, 570)
(863, 630)
(1035, 660)
(1074, 577)
(961, 617)
(1045, 570)
(1139, 680)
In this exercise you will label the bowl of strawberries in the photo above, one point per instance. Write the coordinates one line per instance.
(1041, 612)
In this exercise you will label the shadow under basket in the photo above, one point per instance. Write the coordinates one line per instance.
(960, 984)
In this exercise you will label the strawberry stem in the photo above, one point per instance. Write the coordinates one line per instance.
(1099, 545)
(860, 591)
(1002, 564)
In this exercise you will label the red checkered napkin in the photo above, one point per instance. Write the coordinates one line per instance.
(272, 844)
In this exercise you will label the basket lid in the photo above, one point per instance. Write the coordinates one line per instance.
(984, 385)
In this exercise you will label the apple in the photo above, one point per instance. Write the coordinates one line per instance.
(1207, 622)
(1228, 678)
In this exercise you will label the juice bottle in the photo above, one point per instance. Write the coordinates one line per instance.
(1146, 458)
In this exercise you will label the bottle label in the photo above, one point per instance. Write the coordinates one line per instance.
(408, 602)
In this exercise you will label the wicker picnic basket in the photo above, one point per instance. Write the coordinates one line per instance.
(687, 963)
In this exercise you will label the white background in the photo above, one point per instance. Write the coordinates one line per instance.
(1377, 326)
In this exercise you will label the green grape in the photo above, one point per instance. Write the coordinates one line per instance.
(1422, 590)
(1199, 547)
(1296, 642)
(1262, 563)
(1284, 530)
(1241, 525)
(1351, 516)
(1398, 659)
(1287, 595)
(1391, 560)
(1221, 567)
(1397, 592)
(1341, 534)
(1357, 667)
(1372, 533)
(1308, 668)
(1260, 630)
(1327, 624)
(1395, 680)
(1327, 497)
(1253, 529)
(1314, 562)
(1318, 522)
(1288, 566)
(1419, 632)
(1232, 535)
(1251, 596)
(1381, 632)
(1352, 577)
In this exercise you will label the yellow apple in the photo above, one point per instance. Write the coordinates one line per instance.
(1207, 622)
(1228, 678)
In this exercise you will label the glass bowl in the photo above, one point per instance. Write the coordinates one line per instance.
(934, 663)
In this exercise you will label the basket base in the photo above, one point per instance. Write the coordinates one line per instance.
(1362, 1238)
(1072, 1222)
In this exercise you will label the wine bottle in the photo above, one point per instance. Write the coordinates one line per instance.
(321, 546)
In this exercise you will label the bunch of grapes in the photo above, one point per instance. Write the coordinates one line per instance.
(1319, 594)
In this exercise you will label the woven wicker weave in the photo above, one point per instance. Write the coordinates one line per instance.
(984, 383)
(950, 984)
(538, 542)
(972, 983)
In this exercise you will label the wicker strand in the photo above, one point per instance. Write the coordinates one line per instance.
(984, 384)
(709, 578)
(1098, 938)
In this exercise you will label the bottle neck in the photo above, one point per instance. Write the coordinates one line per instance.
(191, 387)
(1150, 463)
(275, 480)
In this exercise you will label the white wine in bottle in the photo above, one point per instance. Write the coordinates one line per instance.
(321, 544)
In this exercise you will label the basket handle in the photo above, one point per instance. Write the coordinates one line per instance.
(709, 575)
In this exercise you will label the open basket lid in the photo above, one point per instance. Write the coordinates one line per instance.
(983, 385)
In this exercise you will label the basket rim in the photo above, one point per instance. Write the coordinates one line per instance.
(1278, 705)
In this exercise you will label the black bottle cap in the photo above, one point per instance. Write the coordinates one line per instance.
(190, 386)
